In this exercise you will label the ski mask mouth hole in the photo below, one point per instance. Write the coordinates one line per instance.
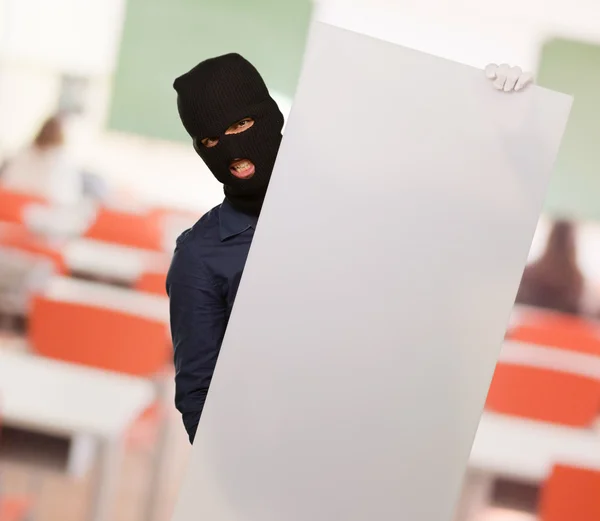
(242, 168)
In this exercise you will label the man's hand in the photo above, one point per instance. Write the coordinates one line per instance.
(507, 78)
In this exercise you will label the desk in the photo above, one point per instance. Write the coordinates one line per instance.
(522, 450)
(111, 261)
(68, 400)
(531, 315)
(526, 450)
(66, 289)
(551, 358)
(21, 275)
(60, 222)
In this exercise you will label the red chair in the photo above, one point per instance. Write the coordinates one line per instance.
(13, 205)
(544, 395)
(558, 330)
(105, 339)
(570, 494)
(142, 231)
(20, 238)
(154, 283)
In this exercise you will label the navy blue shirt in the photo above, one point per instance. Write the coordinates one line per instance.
(202, 284)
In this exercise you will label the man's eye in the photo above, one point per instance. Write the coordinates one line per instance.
(240, 126)
(209, 142)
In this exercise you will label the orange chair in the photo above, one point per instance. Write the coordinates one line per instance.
(544, 395)
(135, 230)
(13, 205)
(154, 283)
(570, 494)
(105, 339)
(98, 337)
(20, 238)
(558, 330)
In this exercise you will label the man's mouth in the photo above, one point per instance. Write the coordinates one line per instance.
(242, 168)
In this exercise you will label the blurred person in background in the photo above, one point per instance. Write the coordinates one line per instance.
(44, 168)
(555, 281)
(236, 128)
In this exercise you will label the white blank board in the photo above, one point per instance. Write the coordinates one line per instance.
(377, 290)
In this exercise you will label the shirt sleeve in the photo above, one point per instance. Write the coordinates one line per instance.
(198, 322)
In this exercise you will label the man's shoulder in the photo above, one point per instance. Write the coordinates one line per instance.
(193, 246)
(204, 232)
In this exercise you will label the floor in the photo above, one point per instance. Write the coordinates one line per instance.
(59, 498)
(500, 514)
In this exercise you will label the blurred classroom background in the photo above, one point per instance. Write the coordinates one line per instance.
(97, 179)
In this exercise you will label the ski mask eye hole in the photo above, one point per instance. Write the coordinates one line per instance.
(210, 142)
(240, 126)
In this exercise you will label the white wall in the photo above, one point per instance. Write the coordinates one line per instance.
(157, 172)
(469, 31)
(40, 40)
(76, 36)
(27, 94)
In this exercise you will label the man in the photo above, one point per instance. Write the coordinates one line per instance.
(235, 126)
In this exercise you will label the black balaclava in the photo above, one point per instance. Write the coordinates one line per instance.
(213, 96)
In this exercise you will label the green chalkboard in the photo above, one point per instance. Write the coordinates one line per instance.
(164, 38)
(574, 68)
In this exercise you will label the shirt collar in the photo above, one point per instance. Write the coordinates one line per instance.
(232, 222)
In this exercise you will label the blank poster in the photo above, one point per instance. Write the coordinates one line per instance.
(377, 291)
